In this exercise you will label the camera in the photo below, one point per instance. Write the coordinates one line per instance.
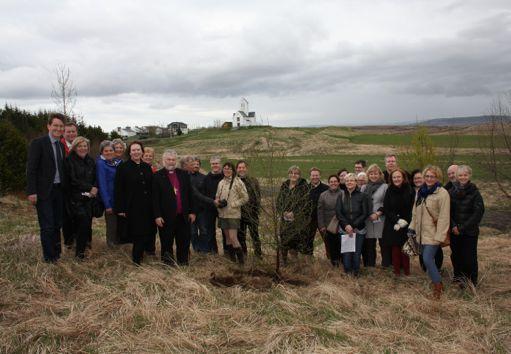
(222, 203)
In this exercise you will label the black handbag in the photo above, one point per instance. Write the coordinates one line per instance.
(98, 208)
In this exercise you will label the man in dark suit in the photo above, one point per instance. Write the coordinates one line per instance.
(173, 209)
(45, 174)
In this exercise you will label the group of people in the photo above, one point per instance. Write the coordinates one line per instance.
(184, 206)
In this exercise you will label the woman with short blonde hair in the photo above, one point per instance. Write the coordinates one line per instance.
(467, 210)
(78, 140)
(352, 211)
(81, 188)
(294, 207)
(119, 148)
(375, 190)
(106, 168)
(431, 222)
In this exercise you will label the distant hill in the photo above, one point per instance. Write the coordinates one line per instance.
(453, 121)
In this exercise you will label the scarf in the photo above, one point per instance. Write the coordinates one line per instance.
(459, 190)
(372, 187)
(425, 191)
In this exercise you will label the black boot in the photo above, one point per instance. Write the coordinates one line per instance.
(240, 255)
(231, 253)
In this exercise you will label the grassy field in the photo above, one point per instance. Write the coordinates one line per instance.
(107, 305)
(330, 164)
(465, 141)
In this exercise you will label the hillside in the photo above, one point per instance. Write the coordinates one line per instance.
(329, 148)
(310, 141)
(457, 121)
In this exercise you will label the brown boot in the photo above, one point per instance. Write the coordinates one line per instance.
(438, 289)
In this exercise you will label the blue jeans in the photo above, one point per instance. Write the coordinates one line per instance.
(200, 238)
(351, 260)
(50, 213)
(428, 256)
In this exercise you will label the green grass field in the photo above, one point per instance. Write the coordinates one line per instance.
(465, 141)
(339, 141)
(330, 164)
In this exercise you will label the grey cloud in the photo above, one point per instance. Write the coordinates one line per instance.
(140, 51)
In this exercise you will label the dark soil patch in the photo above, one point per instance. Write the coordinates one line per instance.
(497, 219)
(255, 279)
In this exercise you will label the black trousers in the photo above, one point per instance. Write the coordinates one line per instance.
(369, 253)
(210, 225)
(252, 224)
(83, 227)
(311, 235)
(68, 228)
(151, 242)
(334, 247)
(464, 257)
(139, 246)
(49, 213)
(386, 254)
(178, 231)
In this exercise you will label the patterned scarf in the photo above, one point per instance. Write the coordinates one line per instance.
(425, 191)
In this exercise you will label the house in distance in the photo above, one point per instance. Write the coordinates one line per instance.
(243, 117)
(177, 128)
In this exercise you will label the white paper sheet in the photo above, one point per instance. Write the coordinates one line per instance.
(348, 243)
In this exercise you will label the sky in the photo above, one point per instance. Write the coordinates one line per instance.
(299, 63)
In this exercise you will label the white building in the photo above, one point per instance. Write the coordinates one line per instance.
(126, 132)
(176, 127)
(243, 118)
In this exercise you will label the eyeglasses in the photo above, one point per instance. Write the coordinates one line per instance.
(429, 176)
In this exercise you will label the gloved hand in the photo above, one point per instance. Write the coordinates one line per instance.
(410, 233)
(402, 223)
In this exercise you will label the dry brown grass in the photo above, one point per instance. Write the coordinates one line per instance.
(105, 304)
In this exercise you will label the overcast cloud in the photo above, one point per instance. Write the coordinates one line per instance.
(297, 62)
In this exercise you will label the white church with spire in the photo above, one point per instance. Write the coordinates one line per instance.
(243, 117)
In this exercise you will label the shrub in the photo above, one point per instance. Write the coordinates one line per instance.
(421, 151)
(13, 158)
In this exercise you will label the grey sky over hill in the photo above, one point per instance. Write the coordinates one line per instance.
(297, 62)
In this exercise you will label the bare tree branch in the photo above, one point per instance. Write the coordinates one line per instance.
(63, 91)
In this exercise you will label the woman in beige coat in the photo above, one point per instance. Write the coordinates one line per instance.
(231, 194)
(431, 221)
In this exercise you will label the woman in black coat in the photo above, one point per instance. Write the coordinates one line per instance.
(293, 207)
(133, 201)
(397, 208)
(81, 188)
(467, 209)
(352, 211)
